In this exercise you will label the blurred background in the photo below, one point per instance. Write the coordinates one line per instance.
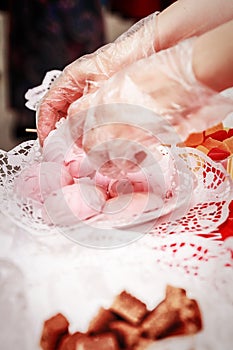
(40, 35)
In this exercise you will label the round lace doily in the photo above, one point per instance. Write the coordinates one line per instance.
(200, 211)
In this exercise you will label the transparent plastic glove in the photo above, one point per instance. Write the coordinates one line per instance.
(85, 74)
(181, 20)
(167, 104)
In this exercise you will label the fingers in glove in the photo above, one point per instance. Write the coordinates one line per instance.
(87, 73)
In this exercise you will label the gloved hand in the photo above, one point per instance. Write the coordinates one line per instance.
(87, 73)
(156, 100)
(183, 19)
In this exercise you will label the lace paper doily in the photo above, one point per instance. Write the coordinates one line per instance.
(63, 277)
(203, 212)
(54, 267)
(34, 95)
(202, 266)
(206, 210)
(212, 197)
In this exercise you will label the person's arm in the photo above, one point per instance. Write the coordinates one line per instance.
(187, 18)
(177, 88)
(183, 19)
(213, 57)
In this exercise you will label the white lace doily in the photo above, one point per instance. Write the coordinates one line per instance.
(54, 275)
(203, 211)
(59, 276)
(34, 95)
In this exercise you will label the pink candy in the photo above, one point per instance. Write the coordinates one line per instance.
(74, 203)
(128, 207)
(72, 190)
(134, 182)
(39, 180)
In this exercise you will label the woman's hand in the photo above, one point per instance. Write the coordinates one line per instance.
(181, 20)
(87, 73)
(167, 102)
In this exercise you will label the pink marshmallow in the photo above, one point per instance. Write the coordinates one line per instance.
(74, 203)
(134, 182)
(39, 180)
(102, 181)
(79, 167)
(128, 207)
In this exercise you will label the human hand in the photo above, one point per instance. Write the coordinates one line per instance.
(155, 100)
(86, 74)
(181, 20)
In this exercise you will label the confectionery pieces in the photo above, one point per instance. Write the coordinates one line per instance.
(67, 186)
(142, 344)
(160, 321)
(39, 180)
(176, 315)
(73, 203)
(53, 330)
(103, 341)
(127, 324)
(218, 154)
(216, 142)
(127, 334)
(68, 342)
(195, 139)
(129, 308)
(78, 341)
(100, 323)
